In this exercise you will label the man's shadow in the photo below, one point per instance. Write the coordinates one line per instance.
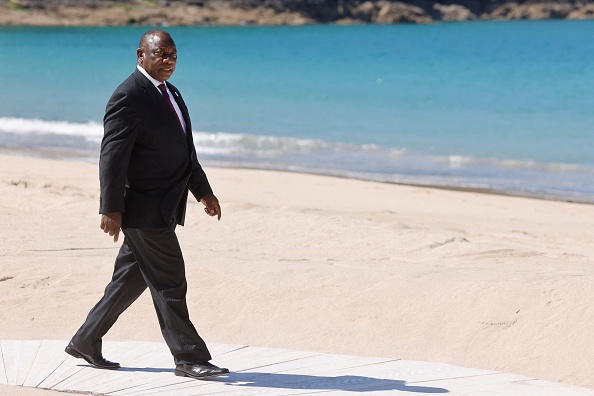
(352, 383)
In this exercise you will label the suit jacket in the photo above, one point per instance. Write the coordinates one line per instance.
(147, 164)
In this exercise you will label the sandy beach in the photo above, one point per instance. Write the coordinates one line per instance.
(323, 264)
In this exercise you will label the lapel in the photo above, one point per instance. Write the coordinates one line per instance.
(151, 92)
(157, 99)
(180, 103)
(182, 106)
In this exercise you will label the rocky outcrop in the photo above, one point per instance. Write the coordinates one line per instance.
(385, 12)
(585, 12)
(114, 13)
(532, 11)
(452, 12)
(280, 12)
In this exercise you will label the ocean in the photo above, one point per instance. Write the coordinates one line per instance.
(497, 106)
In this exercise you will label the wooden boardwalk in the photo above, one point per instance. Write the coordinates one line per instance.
(147, 369)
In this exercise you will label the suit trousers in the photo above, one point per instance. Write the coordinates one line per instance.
(147, 258)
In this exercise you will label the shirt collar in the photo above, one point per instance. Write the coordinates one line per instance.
(155, 82)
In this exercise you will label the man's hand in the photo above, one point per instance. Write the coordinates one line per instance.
(212, 207)
(111, 223)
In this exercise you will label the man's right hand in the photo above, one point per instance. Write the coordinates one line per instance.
(111, 223)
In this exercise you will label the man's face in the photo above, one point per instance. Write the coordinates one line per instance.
(158, 56)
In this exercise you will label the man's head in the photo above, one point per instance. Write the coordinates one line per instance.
(157, 54)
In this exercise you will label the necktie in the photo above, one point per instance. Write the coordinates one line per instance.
(163, 89)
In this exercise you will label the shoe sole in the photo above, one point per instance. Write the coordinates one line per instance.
(74, 353)
(184, 374)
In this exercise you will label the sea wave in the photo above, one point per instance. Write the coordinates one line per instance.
(91, 130)
(237, 145)
(271, 146)
(361, 161)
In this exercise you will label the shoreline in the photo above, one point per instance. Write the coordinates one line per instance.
(83, 156)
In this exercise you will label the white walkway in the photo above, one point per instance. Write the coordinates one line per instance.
(147, 369)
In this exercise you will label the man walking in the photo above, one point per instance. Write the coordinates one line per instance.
(147, 166)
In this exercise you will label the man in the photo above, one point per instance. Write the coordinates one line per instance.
(146, 167)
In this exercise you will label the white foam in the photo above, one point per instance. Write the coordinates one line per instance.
(91, 131)
(267, 145)
(366, 161)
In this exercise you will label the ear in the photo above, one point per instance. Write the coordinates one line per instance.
(140, 55)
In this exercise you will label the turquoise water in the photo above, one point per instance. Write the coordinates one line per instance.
(496, 105)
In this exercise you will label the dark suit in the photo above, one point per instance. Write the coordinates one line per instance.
(147, 164)
(146, 167)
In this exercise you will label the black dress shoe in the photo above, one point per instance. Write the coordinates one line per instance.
(95, 361)
(199, 370)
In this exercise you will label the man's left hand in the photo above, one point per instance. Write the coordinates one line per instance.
(212, 207)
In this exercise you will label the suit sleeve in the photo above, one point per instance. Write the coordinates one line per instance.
(120, 129)
(199, 185)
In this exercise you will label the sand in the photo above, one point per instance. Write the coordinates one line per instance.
(323, 264)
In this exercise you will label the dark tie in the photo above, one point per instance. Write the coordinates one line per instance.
(163, 89)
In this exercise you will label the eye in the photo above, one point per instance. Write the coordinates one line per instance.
(161, 54)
